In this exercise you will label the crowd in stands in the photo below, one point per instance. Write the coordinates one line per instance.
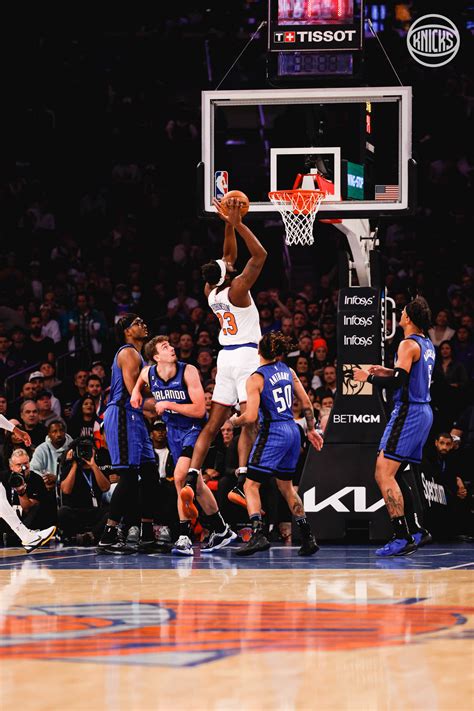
(99, 227)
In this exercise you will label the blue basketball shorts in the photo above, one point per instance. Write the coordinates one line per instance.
(276, 450)
(181, 441)
(406, 432)
(127, 437)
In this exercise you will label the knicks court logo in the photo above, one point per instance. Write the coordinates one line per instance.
(186, 633)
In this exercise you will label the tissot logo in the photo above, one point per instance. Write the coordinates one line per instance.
(306, 36)
(359, 300)
(334, 501)
(358, 340)
(351, 419)
(358, 320)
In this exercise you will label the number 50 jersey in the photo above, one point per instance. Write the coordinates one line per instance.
(276, 398)
(239, 325)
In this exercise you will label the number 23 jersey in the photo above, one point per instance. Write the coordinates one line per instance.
(238, 324)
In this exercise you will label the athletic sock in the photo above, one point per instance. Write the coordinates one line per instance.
(256, 521)
(303, 525)
(9, 515)
(191, 478)
(217, 522)
(400, 527)
(185, 528)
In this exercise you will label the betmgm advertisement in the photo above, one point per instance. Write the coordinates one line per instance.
(358, 415)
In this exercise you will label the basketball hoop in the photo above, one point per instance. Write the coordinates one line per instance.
(298, 209)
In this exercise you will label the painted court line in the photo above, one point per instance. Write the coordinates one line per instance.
(462, 565)
(38, 560)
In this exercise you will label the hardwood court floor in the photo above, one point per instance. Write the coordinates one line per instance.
(342, 630)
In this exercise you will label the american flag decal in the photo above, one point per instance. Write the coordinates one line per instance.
(387, 192)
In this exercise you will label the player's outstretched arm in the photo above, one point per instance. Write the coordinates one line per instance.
(10, 427)
(197, 406)
(313, 437)
(229, 252)
(254, 387)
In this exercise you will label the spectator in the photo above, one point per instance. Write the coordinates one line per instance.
(181, 306)
(39, 347)
(441, 331)
(205, 364)
(50, 327)
(8, 363)
(50, 381)
(329, 386)
(320, 360)
(82, 485)
(19, 351)
(12, 442)
(463, 349)
(31, 423)
(45, 411)
(84, 421)
(29, 493)
(99, 368)
(449, 384)
(37, 379)
(72, 392)
(45, 457)
(463, 428)
(86, 327)
(186, 348)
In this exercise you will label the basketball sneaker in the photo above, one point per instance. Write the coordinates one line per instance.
(113, 541)
(308, 546)
(397, 546)
(39, 538)
(422, 537)
(219, 540)
(187, 498)
(237, 496)
(183, 546)
(258, 542)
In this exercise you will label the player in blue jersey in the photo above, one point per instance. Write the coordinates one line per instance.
(179, 400)
(409, 425)
(270, 392)
(129, 442)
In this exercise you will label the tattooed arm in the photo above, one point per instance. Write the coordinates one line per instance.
(313, 437)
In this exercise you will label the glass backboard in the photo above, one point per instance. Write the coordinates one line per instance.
(357, 138)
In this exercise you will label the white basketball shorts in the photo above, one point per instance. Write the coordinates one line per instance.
(233, 369)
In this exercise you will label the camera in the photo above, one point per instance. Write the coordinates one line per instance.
(16, 479)
(84, 449)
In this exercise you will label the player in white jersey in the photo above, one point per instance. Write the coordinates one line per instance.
(230, 299)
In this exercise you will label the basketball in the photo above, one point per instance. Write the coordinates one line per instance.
(244, 201)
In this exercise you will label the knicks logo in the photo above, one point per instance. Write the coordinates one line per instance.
(186, 633)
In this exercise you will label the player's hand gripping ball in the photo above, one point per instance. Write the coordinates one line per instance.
(239, 195)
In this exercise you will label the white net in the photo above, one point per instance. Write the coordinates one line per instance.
(298, 209)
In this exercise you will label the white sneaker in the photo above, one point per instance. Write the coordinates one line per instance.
(219, 540)
(183, 546)
(41, 537)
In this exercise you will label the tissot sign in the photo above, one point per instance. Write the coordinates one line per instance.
(297, 38)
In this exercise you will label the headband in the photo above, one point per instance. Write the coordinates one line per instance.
(222, 266)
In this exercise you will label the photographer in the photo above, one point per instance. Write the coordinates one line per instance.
(81, 516)
(28, 493)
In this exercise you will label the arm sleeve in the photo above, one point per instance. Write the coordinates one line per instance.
(395, 381)
(6, 424)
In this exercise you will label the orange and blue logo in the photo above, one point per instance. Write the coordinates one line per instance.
(187, 633)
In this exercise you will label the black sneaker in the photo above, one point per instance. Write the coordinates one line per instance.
(258, 542)
(113, 542)
(308, 546)
(154, 546)
(219, 540)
